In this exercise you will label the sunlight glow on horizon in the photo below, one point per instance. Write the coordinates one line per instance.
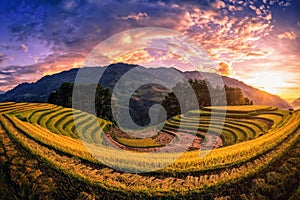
(270, 81)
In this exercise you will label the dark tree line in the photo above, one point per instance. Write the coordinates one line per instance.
(63, 97)
(206, 95)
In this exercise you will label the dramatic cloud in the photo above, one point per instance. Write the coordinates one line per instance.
(224, 69)
(25, 48)
(227, 35)
(219, 4)
(288, 35)
(138, 17)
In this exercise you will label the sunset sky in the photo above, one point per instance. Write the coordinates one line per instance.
(255, 41)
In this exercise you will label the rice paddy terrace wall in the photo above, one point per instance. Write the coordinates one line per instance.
(43, 153)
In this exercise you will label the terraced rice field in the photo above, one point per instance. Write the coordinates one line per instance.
(51, 152)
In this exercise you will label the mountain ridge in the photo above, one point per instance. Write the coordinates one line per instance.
(296, 103)
(40, 90)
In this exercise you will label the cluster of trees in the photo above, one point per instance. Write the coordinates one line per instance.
(205, 93)
(63, 97)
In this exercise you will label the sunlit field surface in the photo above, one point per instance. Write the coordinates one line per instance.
(255, 155)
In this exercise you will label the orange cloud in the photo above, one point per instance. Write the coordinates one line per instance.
(148, 57)
(257, 54)
(134, 57)
(60, 65)
(287, 35)
(224, 69)
(219, 4)
(138, 17)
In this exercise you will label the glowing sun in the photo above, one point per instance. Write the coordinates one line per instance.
(272, 82)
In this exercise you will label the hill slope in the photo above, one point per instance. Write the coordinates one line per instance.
(40, 90)
(257, 96)
(296, 103)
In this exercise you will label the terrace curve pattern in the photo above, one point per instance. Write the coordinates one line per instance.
(256, 155)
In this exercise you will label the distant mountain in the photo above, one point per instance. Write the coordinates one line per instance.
(1, 92)
(296, 103)
(40, 90)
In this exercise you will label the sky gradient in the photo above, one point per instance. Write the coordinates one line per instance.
(255, 41)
